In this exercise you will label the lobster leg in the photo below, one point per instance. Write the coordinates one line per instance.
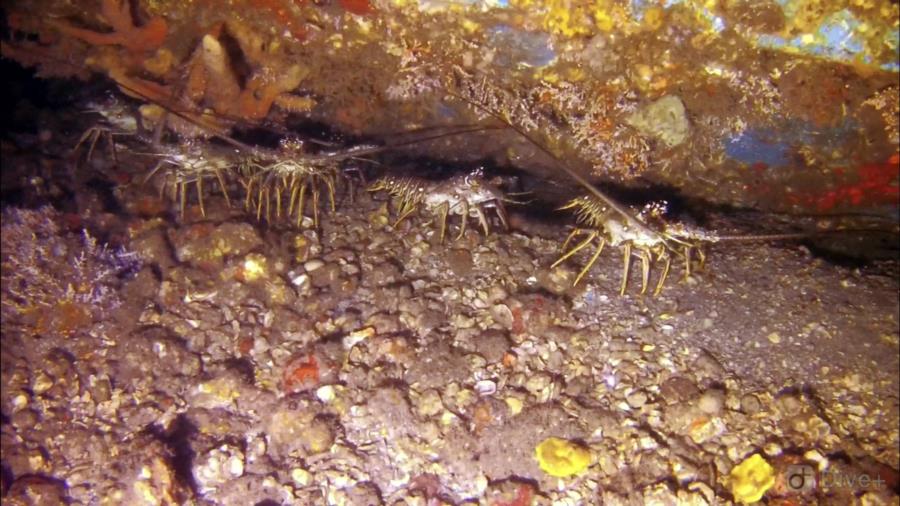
(662, 278)
(572, 234)
(482, 219)
(95, 138)
(702, 256)
(329, 182)
(278, 190)
(443, 210)
(645, 269)
(626, 268)
(405, 210)
(224, 188)
(182, 188)
(465, 218)
(301, 203)
(154, 171)
(591, 236)
(501, 212)
(259, 203)
(200, 195)
(593, 259)
(315, 194)
(295, 189)
(248, 200)
(687, 262)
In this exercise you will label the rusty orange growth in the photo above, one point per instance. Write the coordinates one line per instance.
(126, 33)
(301, 373)
(128, 50)
(359, 7)
(245, 346)
(65, 318)
(212, 80)
(284, 14)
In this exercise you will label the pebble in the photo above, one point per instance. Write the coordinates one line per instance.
(557, 281)
(537, 383)
(712, 402)
(816, 456)
(497, 293)
(514, 404)
(326, 393)
(312, 265)
(636, 399)
(502, 314)
(772, 449)
(36, 489)
(678, 389)
(703, 429)
(429, 403)
(460, 261)
(218, 466)
(318, 436)
(42, 383)
(707, 365)
(750, 404)
(301, 476)
(790, 403)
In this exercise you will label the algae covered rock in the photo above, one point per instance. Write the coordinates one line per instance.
(664, 119)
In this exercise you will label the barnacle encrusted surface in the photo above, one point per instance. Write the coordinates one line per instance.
(770, 104)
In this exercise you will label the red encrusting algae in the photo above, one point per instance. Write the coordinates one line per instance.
(302, 373)
(359, 7)
(877, 184)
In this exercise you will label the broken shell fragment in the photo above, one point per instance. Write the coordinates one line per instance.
(486, 387)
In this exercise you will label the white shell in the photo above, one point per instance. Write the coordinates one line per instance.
(486, 387)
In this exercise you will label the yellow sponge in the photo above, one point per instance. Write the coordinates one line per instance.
(562, 458)
(751, 479)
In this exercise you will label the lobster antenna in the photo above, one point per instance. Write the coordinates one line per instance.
(457, 130)
(619, 208)
(172, 110)
(240, 145)
(368, 150)
(168, 108)
(475, 127)
(795, 235)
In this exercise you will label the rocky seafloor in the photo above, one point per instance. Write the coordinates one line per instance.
(218, 360)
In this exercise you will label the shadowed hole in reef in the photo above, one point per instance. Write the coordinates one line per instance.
(178, 441)
(855, 249)
(25, 95)
(7, 477)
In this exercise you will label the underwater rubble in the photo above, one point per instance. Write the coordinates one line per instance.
(787, 106)
(361, 363)
(507, 253)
